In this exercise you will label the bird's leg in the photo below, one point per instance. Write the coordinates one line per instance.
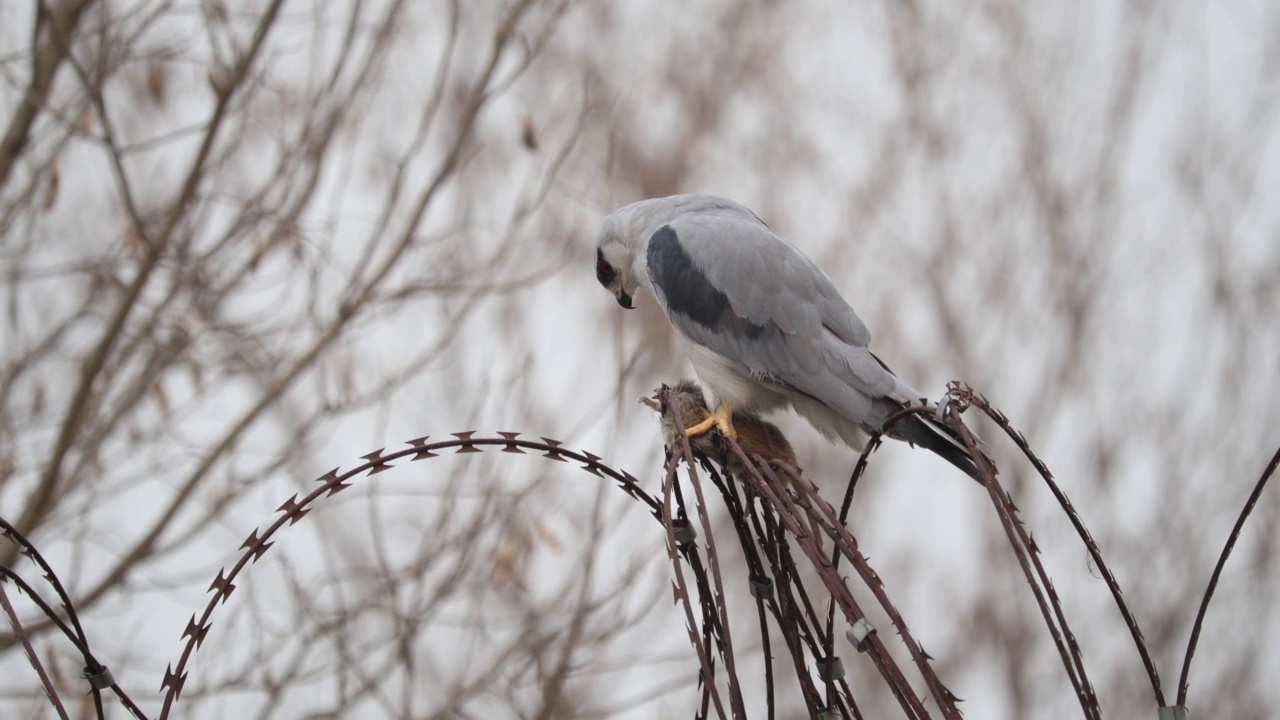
(721, 419)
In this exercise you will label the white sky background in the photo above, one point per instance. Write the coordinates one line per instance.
(1156, 416)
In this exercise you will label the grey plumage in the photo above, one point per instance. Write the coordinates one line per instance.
(763, 325)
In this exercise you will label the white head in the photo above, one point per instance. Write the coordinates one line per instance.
(624, 239)
(620, 250)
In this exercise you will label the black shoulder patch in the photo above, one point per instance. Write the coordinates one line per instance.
(689, 292)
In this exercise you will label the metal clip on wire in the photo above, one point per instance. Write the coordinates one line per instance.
(858, 633)
(830, 669)
(685, 533)
(762, 588)
(100, 680)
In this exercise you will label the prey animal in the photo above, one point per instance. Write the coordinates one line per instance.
(754, 436)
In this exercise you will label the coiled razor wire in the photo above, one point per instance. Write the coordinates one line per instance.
(772, 509)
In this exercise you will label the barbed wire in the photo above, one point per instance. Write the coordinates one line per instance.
(95, 673)
(1194, 638)
(773, 507)
(967, 397)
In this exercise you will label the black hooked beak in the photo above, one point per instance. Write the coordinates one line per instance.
(625, 300)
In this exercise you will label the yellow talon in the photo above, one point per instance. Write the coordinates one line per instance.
(721, 419)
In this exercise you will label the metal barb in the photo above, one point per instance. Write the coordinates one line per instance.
(376, 460)
(420, 444)
(223, 585)
(256, 545)
(467, 445)
(172, 682)
(195, 631)
(511, 446)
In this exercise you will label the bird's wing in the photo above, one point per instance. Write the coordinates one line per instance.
(728, 282)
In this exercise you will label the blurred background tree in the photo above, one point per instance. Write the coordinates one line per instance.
(243, 243)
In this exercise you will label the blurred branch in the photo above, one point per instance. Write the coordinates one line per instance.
(48, 50)
(41, 501)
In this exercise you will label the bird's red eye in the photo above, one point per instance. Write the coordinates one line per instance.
(605, 272)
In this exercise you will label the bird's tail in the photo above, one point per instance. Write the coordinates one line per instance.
(941, 440)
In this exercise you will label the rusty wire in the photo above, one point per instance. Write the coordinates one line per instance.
(1217, 572)
(790, 513)
(968, 397)
(1028, 554)
(772, 508)
(73, 631)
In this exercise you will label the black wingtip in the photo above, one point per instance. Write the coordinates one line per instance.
(942, 441)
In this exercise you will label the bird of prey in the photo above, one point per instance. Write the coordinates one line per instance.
(763, 326)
